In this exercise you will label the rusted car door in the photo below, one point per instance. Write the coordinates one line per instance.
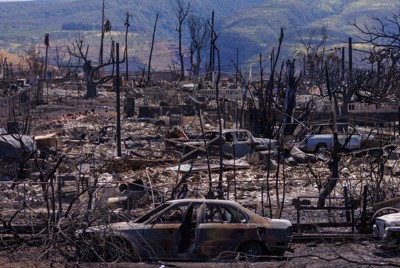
(222, 228)
(162, 234)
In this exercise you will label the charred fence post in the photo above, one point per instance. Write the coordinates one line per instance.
(364, 209)
(130, 105)
(346, 202)
(262, 200)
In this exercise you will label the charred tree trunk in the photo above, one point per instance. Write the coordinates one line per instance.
(212, 49)
(91, 89)
(290, 97)
(331, 183)
(267, 121)
(182, 11)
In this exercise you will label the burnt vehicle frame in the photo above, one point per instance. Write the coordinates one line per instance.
(188, 229)
(320, 138)
(235, 143)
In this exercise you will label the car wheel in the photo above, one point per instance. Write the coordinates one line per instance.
(252, 248)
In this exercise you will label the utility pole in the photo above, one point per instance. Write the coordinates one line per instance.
(212, 54)
(343, 62)
(127, 24)
(261, 73)
(237, 65)
(102, 35)
(151, 49)
(119, 152)
(47, 43)
(350, 56)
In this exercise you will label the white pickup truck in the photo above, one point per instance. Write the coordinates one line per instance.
(321, 138)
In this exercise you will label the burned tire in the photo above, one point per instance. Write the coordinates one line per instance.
(252, 249)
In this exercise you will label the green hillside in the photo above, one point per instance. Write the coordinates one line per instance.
(252, 26)
(257, 28)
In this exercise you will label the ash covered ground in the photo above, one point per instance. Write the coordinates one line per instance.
(78, 149)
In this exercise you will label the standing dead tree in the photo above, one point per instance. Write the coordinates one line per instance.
(65, 65)
(77, 50)
(182, 11)
(248, 86)
(199, 34)
(379, 83)
(216, 49)
(382, 34)
(267, 112)
(316, 58)
(290, 96)
(34, 61)
(6, 68)
(313, 55)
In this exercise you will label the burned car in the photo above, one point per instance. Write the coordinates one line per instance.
(320, 137)
(189, 229)
(235, 143)
(387, 229)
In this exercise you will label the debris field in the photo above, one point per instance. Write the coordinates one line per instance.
(67, 174)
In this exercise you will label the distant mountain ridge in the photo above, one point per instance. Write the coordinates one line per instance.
(249, 26)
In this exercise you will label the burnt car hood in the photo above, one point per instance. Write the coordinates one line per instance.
(264, 143)
(279, 223)
(391, 220)
(113, 227)
(275, 227)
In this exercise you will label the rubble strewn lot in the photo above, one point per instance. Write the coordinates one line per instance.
(76, 179)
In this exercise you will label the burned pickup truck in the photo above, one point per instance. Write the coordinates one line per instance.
(320, 138)
(235, 143)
